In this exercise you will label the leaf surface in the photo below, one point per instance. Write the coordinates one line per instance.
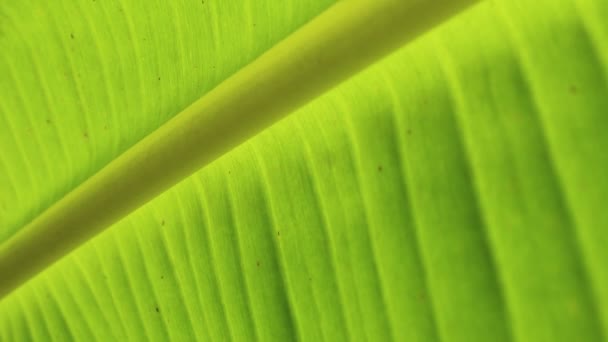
(453, 191)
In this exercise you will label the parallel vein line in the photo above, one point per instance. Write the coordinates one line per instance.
(355, 159)
(456, 100)
(27, 111)
(320, 207)
(52, 303)
(33, 331)
(266, 193)
(192, 316)
(179, 280)
(101, 54)
(215, 281)
(142, 328)
(90, 322)
(242, 275)
(95, 296)
(578, 246)
(78, 330)
(46, 322)
(403, 173)
(113, 296)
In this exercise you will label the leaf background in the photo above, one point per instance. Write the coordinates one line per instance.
(453, 191)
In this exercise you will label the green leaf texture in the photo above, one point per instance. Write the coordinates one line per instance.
(454, 191)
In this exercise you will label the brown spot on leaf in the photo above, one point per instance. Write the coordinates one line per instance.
(379, 168)
(573, 90)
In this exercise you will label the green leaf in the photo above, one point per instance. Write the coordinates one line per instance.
(453, 191)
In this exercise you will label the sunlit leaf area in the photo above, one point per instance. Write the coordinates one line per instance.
(456, 190)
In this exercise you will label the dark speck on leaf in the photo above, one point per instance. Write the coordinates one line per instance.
(48, 121)
(162, 223)
(573, 89)
(409, 132)
(162, 277)
(278, 233)
(380, 168)
(258, 264)
(157, 309)
(85, 135)
(159, 78)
